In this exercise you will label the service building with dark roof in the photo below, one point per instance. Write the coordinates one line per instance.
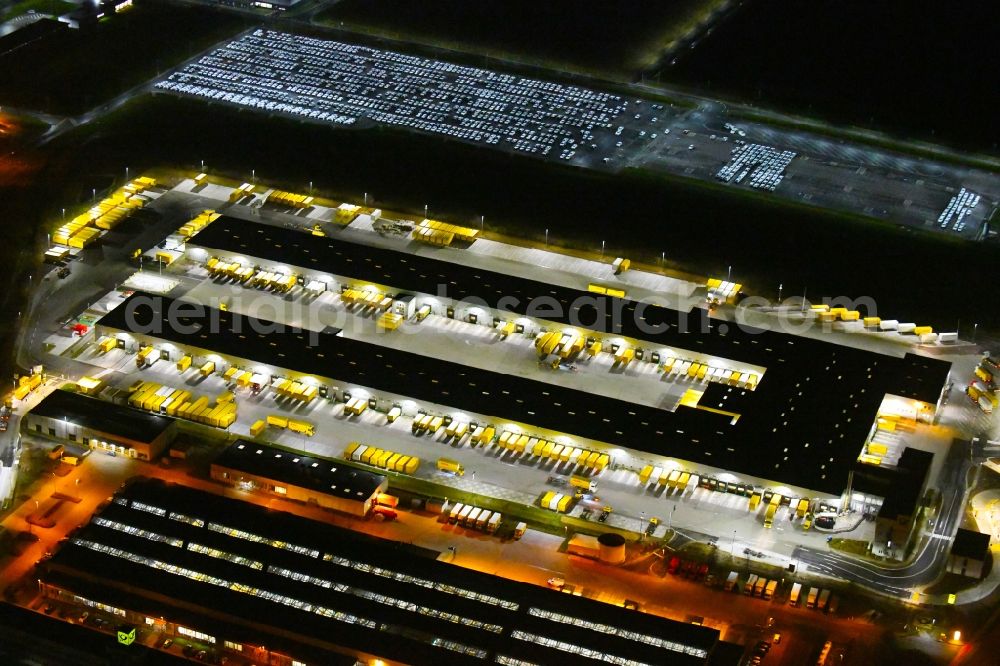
(95, 424)
(298, 477)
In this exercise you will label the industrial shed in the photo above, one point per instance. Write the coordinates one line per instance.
(103, 426)
(299, 478)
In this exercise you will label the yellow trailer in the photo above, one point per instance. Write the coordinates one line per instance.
(370, 453)
(307, 429)
(207, 369)
(594, 459)
(887, 425)
(769, 515)
(754, 501)
(400, 464)
(566, 452)
(230, 372)
(802, 507)
(645, 473)
(390, 321)
(184, 363)
(393, 414)
(877, 449)
(547, 498)
(277, 421)
(383, 459)
(224, 397)
(564, 503)
(871, 322)
(107, 344)
(177, 402)
(257, 427)
(243, 379)
(556, 452)
(411, 465)
(522, 442)
(435, 423)
(923, 330)
(390, 462)
(671, 478)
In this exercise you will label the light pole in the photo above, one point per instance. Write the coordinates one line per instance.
(670, 518)
(974, 327)
(602, 248)
(729, 274)
(482, 223)
(93, 193)
(203, 165)
(126, 174)
(732, 546)
(546, 238)
(310, 187)
(64, 213)
(366, 198)
(780, 286)
(425, 212)
(663, 258)
(253, 176)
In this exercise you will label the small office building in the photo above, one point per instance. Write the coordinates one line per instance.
(300, 478)
(969, 553)
(77, 419)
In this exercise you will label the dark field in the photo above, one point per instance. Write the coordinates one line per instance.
(615, 37)
(71, 71)
(912, 277)
(913, 68)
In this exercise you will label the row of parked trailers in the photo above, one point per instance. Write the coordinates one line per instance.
(281, 198)
(705, 372)
(545, 450)
(383, 459)
(106, 215)
(474, 517)
(556, 501)
(756, 586)
(246, 274)
(674, 478)
(366, 298)
(26, 384)
(153, 397)
(197, 223)
(828, 315)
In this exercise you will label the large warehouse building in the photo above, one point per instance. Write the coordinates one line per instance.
(270, 587)
(803, 423)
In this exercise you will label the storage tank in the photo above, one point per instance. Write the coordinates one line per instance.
(611, 548)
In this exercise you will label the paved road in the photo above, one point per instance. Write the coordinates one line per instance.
(933, 546)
